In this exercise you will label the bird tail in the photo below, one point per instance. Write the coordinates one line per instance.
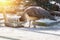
(53, 18)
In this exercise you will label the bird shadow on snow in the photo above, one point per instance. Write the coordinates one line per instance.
(8, 38)
(42, 30)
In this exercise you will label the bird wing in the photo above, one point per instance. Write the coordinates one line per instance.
(35, 11)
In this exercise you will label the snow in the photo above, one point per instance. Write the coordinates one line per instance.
(13, 16)
(7, 33)
(52, 2)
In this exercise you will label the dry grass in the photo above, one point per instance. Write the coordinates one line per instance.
(39, 23)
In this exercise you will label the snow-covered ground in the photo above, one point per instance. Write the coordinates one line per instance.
(43, 33)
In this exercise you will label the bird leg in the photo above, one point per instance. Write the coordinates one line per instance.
(29, 23)
(34, 24)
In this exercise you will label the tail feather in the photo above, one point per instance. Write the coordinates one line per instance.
(52, 18)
